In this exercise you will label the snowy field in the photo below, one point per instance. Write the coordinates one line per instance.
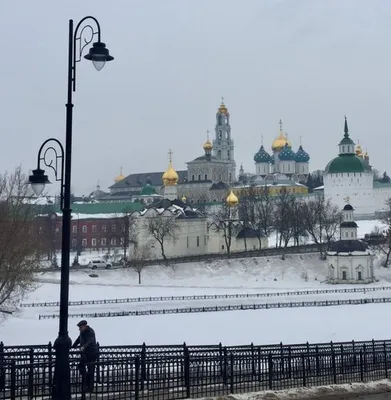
(251, 275)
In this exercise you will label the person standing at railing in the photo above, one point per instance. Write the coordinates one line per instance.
(86, 342)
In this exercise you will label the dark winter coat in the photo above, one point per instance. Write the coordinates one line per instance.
(87, 340)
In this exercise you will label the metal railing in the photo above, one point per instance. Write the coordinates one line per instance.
(228, 307)
(179, 372)
(207, 297)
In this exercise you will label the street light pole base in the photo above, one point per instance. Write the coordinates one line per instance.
(62, 375)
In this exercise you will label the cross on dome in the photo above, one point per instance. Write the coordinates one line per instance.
(170, 155)
(280, 122)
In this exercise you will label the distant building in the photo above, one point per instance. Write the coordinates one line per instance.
(349, 260)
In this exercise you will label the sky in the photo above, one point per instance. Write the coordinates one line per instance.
(308, 62)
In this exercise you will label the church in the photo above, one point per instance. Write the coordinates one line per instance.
(350, 175)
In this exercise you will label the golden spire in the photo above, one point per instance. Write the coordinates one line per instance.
(207, 145)
(170, 177)
(281, 140)
(232, 200)
(223, 108)
(120, 177)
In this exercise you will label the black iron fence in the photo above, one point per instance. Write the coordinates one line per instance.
(208, 297)
(178, 372)
(228, 307)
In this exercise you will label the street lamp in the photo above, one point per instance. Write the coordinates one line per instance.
(60, 162)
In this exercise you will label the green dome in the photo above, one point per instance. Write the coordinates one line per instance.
(262, 156)
(347, 163)
(148, 190)
(287, 154)
(302, 156)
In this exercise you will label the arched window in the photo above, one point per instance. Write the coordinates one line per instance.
(229, 155)
(206, 177)
(219, 154)
(199, 177)
(230, 177)
(219, 120)
(192, 177)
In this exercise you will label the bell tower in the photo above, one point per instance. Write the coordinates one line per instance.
(223, 145)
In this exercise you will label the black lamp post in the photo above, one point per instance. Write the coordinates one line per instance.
(60, 162)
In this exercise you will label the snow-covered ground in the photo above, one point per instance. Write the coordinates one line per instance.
(250, 275)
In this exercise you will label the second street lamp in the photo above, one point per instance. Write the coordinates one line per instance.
(86, 30)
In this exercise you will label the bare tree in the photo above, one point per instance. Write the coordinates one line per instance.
(264, 214)
(321, 220)
(223, 222)
(19, 258)
(284, 219)
(138, 259)
(384, 247)
(163, 228)
(125, 232)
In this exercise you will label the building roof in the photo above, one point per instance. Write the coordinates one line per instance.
(106, 208)
(345, 163)
(262, 156)
(348, 246)
(302, 156)
(348, 207)
(348, 224)
(287, 154)
(148, 190)
(140, 180)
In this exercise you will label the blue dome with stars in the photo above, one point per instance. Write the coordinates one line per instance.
(302, 156)
(287, 154)
(262, 156)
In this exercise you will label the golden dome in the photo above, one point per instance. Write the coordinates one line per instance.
(223, 108)
(208, 145)
(120, 177)
(170, 177)
(280, 142)
(232, 200)
(359, 151)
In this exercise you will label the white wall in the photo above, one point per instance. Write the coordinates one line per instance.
(351, 264)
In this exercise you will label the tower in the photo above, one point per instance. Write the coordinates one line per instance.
(170, 181)
(223, 145)
(348, 227)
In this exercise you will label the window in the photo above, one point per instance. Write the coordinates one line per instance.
(346, 234)
(198, 241)
(230, 177)
(344, 275)
(93, 228)
(205, 239)
(352, 234)
(93, 242)
(343, 149)
(187, 241)
(359, 275)
(206, 177)
(84, 242)
(103, 242)
(219, 154)
(103, 228)
(192, 178)
(199, 177)
(74, 229)
(113, 241)
(57, 231)
(84, 229)
(113, 228)
(229, 155)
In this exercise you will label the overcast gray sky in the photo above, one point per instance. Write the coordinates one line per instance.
(308, 62)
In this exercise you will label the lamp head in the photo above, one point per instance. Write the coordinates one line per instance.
(38, 180)
(98, 54)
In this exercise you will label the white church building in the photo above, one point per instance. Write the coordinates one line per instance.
(349, 260)
(349, 175)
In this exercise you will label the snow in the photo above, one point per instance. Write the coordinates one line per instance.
(346, 391)
(250, 275)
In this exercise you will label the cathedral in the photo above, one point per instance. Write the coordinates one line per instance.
(283, 160)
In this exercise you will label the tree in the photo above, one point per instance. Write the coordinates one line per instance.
(125, 232)
(19, 258)
(163, 228)
(264, 212)
(138, 259)
(224, 222)
(321, 220)
(384, 248)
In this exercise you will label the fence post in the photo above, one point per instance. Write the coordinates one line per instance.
(373, 351)
(253, 359)
(186, 360)
(303, 366)
(290, 362)
(2, 369)
(361, 366)
(225, 375)
(342, 360)
(98, 369)
(221, 359)
(13, 381)
(30, 388)
(143, 364)
(365, 357)
(270, 368)
(317, 366)
(385, 360)
(334, 366)
(50, 361)
(137, 378)
(232, 373)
